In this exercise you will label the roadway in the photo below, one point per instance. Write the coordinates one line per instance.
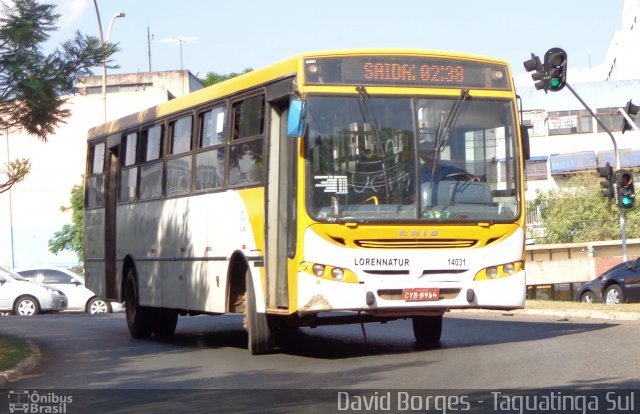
(483, 351)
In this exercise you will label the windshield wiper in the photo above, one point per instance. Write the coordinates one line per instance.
(369, 116)
(444, 128)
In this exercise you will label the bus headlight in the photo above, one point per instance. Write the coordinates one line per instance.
(337, 273)
(496, 272)
(328, 272)
(318, 270)
(509, 268)
(492, 272)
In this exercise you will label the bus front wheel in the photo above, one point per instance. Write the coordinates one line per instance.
(139, 319)
(260, 329)
(427, 329)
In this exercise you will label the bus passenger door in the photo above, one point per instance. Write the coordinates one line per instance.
(280, 196)
(110, 225)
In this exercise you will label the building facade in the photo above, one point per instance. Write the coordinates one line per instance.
(30, 213)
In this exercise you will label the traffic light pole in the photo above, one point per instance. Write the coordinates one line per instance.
(623, 226)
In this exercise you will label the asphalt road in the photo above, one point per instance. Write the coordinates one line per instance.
(478, 352)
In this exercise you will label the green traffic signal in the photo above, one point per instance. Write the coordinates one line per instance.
(555, 69)
(626, 191)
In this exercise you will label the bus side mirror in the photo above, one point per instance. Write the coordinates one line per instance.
(526, 148)
(297, 119)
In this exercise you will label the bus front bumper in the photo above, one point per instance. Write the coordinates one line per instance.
(391, 299)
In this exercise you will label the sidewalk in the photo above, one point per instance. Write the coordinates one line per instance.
(564, 313)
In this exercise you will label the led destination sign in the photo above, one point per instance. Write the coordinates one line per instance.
(406, 71)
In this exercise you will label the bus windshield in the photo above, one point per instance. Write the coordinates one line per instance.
(381, 159)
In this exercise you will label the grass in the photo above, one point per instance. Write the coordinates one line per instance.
(12, 351)
(568, 305)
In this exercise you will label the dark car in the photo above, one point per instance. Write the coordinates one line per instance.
(590, 291)
(620, 284)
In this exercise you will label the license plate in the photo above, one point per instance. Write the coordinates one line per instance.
(420, 294)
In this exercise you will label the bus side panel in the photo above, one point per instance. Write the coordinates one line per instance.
(137, 237)
(181, 247)
(94, 251)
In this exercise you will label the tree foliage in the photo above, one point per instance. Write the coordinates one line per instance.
(579, 213)
(33, 84)
(213, 78)
(70, 237)
(14, 171)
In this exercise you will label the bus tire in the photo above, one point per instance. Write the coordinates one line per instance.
(427, 329)
(164, 322)
(260, 331)
(139, 319)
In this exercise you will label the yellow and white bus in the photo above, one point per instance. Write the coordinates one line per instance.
(334, 187)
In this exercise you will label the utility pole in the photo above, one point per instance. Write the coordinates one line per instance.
(149, 39)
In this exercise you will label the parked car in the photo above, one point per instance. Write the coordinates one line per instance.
(590, 292)
(25, 298)
(79, 297)
(620, 284)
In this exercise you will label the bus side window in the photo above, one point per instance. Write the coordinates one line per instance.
(128, 169)
(95, 181)
(210, 162)
(179, 169)
(246, 164)
(151, 162)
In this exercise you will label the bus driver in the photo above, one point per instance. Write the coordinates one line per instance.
(434, 169)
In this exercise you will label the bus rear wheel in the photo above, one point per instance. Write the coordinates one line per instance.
(139, 319)
(427, 329)
(260, 327)
(164, 322)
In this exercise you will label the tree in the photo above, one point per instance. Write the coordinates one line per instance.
(70, 237)
(33, 84)
(579, 213)
(213, 78)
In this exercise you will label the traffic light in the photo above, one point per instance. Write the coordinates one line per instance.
(552, 75)
(631, 109)
(534, 64)
(606, 172)
(626, 192)
(555, 69)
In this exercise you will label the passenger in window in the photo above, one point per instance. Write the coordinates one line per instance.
(247, 166)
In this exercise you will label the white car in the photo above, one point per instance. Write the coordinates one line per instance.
(25, 298)
(72, 284)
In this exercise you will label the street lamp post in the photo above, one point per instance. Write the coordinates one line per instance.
(104, 62)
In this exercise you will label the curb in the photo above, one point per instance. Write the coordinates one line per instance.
(564, 313)
(23, 366)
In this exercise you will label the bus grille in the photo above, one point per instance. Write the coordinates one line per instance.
(416, 243)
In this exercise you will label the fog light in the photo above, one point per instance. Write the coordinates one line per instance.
(371, 298)
(318, 270)
(337, 273)
(471, 296)
(492, 272)
(509, 268)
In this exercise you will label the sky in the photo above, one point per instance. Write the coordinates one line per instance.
(225, 36)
